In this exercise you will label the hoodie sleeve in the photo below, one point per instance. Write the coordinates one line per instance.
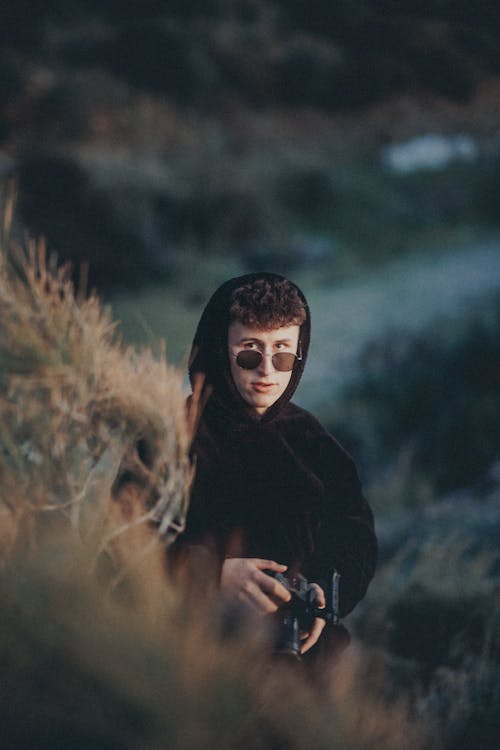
(346, 539)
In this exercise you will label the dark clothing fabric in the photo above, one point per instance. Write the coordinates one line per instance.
(278, 487)
(286, 491)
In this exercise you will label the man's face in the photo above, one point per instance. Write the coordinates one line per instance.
(261, 387)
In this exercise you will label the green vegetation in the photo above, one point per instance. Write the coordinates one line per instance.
(432, 616)
(427, 406)
(216, 130)
(326, 56)
(288, 217)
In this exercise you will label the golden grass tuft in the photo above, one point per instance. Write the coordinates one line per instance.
(90, 430)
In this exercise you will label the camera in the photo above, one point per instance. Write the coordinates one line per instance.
(297, 615)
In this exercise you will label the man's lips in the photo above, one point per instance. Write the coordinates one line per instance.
(262, 386)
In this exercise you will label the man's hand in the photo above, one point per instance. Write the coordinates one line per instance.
(243, 579)
(310, 638)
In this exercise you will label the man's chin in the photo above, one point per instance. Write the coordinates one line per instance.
(260, 404)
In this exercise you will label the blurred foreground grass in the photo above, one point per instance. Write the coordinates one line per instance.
(82, 666)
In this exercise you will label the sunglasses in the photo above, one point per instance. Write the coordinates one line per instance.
(250, 359)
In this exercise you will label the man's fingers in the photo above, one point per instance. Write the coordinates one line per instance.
(269, 565)
(272, 587)
(310, 638)
(320, 596)
(313, 636)
(251, 594)
(244, 578)
(269, 585)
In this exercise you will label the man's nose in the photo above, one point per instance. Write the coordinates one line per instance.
(266, 366)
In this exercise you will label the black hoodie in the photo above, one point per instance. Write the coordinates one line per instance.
(276, 486)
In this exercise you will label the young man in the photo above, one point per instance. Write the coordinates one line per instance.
(273, 490)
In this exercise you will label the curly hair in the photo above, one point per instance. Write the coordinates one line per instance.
(267, 304)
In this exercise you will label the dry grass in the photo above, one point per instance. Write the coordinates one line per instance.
(91, 431)
(82, 669)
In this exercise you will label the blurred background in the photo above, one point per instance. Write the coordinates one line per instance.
(354, 147)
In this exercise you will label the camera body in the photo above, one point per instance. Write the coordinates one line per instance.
(297, 615)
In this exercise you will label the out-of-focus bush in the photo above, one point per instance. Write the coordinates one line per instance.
(82, 224)
(486, 196)
(101, 85)
(213, 221)
(433, 611)
(148, 56)
(283, 216)
(387, 48)
(321, 55)
(310, 195)
(372, 214)
(436, 394)
(9, 76)
(11, 87)
(310, 74)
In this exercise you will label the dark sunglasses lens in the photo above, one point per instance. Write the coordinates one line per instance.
(283, 361)
(248, 359)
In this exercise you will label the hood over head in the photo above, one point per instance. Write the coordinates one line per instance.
(210, 359)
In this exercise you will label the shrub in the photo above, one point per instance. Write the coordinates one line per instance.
(307, 74)
(91, 433)
(437, 393)
(81, 223)
(309, 195)
(433, 611)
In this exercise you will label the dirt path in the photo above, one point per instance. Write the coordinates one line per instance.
(404, 296)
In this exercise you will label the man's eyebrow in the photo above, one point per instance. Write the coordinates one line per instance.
(260, 341)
